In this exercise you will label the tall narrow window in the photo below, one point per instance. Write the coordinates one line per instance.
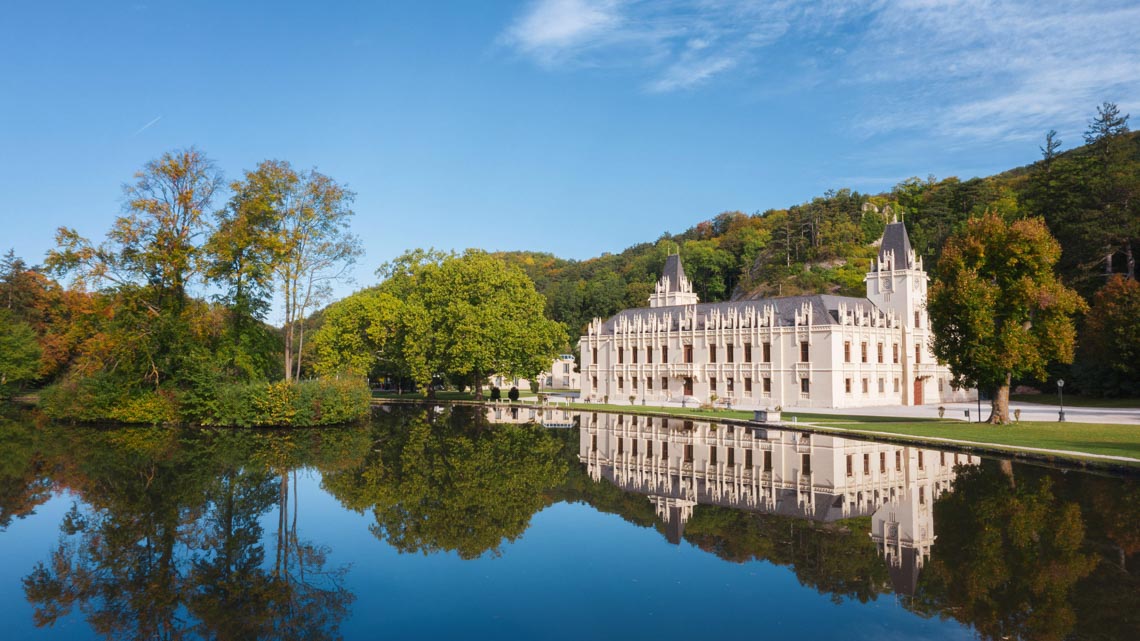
(882, 462)
(917, 354)
(712, 384)
(847, 385)
(920, 462)
(898, 460)
(621, 355)
(634, 379)
(648, 449)
(805, 386)
(648, 354)
(846, 351)
(866, 464)
(594, 443)
(863, 348)
(748, 353)
(850, 468)
(594, 358)
(621, 446)
(894, 352)
(712, 353)
(805, 463)
(882, 385)
(767, 385)
(621, 383)
(688, 353)
(767, 352)
(594, 382)
(728, 386)
(748, 386)
(865, 388)
(916, 319)
(664, 384)
(635, 447)
(731, 456)
(728, 355)
(649, 383)
(712, 454)
(880, 352)
(803, 351)
(767, 460)
(664, 450)
(748, 458)
(664, 353)
(688, 452)
(634, 350)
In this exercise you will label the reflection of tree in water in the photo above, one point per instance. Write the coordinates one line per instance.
(1008, 558)
(22, 484)
(168, 543)
(452, 482)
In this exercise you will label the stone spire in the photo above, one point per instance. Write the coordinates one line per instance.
(674, 287)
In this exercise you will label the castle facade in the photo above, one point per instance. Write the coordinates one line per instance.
(795, 351)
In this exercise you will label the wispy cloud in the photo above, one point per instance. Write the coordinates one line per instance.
(146, 126)
(995, 69)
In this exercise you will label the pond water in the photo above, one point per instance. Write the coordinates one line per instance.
(438, 523)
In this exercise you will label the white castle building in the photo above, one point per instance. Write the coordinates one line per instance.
(793, 351)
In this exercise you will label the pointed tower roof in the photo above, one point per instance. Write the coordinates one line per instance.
(896, 240)
(674, 272)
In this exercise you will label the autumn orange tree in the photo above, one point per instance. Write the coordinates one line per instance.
(997, 309)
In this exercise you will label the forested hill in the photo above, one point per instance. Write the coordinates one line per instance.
(1089, 196)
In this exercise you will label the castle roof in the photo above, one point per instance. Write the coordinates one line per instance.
(825, 309)
(895, 239)
(674, 272)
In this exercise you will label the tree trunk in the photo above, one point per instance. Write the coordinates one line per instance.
(1007, 471)
(300, 348)
(1131, 260)
(999, 406)
(478, 387)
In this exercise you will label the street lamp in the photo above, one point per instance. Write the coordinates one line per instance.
(1061, 397)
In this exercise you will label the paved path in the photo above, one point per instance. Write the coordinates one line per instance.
(1029, 412)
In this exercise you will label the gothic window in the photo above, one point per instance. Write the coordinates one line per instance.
(846, 351)
(688, 353)
(803, 351)
(728, 353)
(767, 352)
(712, 353)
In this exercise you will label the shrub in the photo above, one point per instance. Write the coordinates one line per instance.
(291, 404)
(102, 397)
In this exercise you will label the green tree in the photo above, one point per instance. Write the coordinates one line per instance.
(997, 309)
(361, 335)
(19, 353)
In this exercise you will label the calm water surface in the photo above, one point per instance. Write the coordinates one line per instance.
(452, 524)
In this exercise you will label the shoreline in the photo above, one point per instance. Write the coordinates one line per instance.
(1075, 459)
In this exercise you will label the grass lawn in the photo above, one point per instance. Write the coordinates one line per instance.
(1073, 400)
(1093, 438)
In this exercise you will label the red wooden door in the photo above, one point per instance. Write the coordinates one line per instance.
(918, 391)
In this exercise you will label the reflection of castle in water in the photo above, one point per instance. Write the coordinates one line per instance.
(680, 463)
(520, 414)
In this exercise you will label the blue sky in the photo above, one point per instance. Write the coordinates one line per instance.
(570, 126)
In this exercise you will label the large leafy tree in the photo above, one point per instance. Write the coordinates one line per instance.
(485, 318)
(997, 309)
(302, 242)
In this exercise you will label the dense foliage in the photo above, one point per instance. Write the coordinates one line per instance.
(126, 339)
(463, 317)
